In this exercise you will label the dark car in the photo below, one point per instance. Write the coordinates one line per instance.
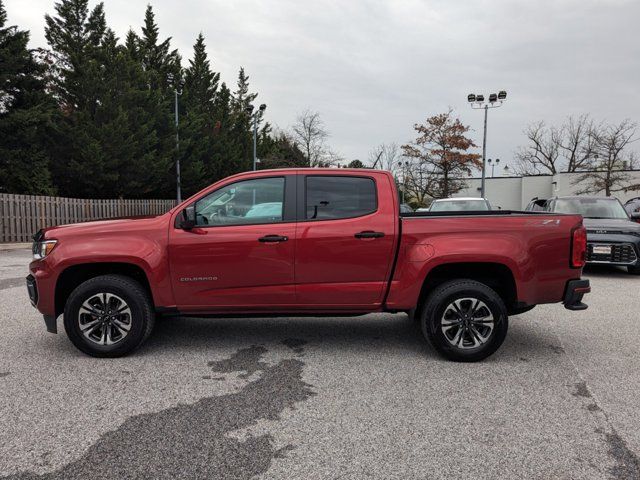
(404, 208)
(612, 237)
(536, 205)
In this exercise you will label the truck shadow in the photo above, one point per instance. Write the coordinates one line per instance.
(366, 335)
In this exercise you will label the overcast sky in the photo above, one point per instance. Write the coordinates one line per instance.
(373, 69)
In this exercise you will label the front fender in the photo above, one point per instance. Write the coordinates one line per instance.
(146, 253)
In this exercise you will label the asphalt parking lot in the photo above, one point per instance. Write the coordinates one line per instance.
(305, 398)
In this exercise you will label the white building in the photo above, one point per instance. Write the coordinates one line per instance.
(514, 193)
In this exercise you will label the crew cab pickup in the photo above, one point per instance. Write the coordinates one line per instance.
(307, 242)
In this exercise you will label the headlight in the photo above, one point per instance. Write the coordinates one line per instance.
(42, 249)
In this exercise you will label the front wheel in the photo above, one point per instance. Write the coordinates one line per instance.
(464, 320)
(108, 316)
(634, 269)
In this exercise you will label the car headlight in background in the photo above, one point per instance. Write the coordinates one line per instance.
(43, 248)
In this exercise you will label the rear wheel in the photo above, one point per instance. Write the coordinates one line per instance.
(108, 316)
(464, 320)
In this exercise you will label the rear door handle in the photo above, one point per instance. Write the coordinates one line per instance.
(273, 239)
(369, 234)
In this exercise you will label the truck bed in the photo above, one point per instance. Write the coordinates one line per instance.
(534, 246)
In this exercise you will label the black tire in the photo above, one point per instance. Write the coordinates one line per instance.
(438, 305)
(140, 320)
(634, 269)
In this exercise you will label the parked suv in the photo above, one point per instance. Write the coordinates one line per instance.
(612, 237)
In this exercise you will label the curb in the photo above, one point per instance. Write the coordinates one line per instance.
(14, 246)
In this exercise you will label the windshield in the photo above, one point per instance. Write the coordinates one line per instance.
(458, 205)
(591, 207)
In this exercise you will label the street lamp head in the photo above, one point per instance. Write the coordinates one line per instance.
(263, 107)
(493, 98)
(497, 161)
(479, 98)
(502, 95)
(471, 97)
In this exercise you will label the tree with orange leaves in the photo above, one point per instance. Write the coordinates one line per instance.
(439, 158)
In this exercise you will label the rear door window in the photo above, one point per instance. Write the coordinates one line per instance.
(334, 197)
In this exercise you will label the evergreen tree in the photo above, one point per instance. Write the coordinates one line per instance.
(112, 133)
(126, 127)
(242, 98)
(132, 45)
(228, 149)
(74, 36)
(158, 60)
(242, 129)
(25, 115)
(163, 74)
(198, 128)
(279, 150)
(115, 134)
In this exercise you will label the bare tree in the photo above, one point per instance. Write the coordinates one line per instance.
(310, 134)
(611, 158)
(553, 149)
(542, 154)
(385, 157)
(420, 182)
(576, 140)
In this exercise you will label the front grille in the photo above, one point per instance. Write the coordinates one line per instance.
(621, 253)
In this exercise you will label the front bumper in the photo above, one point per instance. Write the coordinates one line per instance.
(613, 248)
(573, 294)
(615, 253)
(32, 289)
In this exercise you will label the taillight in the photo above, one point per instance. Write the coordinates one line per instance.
(578, 247)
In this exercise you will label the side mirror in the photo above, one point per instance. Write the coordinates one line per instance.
(188, 220)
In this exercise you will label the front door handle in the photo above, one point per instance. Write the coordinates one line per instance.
(273, 239)
(369, 234)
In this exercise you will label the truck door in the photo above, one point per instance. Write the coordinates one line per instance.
(240, 254)
(344, 239)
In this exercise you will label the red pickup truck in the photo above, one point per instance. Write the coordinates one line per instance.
(307, 242)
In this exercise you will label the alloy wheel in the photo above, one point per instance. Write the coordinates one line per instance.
(467, 323)
(104, 319)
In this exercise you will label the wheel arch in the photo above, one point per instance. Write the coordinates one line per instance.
(495, 275)
(74, 275)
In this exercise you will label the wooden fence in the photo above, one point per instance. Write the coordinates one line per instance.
(23, 215)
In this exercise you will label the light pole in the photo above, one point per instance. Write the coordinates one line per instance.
(477, 102)
(493, 165)
(261, 109)
(403, 166)
(177, 90)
